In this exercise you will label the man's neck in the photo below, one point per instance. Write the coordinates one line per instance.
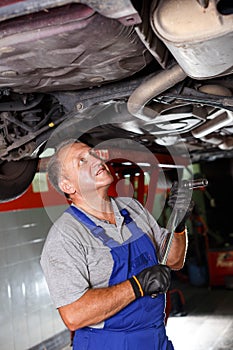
(98, 206)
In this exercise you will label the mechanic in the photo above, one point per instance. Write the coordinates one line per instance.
(101, 258)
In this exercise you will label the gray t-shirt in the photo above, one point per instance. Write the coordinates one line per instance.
(73, 260)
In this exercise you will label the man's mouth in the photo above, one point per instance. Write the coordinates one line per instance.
(100, 170)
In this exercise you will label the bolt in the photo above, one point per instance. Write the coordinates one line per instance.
(79, 106)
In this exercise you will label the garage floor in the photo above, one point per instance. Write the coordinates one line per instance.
(208, 324)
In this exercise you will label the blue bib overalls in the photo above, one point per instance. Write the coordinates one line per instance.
(140, 325)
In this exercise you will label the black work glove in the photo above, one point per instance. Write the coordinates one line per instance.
(180, 199)
(151, 281)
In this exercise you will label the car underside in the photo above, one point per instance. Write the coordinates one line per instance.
(158, 73)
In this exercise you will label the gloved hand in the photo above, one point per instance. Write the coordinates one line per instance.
(152, 280)
(180, 199)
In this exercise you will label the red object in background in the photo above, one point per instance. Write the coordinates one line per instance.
(220, 263)
(145, 192)
(31, 199)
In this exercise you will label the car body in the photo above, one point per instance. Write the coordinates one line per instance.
(158, 73)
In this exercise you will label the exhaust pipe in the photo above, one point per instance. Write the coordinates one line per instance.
(151, 88)
(206, 131)
(221, 119)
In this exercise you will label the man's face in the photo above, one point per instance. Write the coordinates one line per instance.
(84, 172)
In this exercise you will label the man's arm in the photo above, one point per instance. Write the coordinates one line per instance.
(96, 305)
(176, 256)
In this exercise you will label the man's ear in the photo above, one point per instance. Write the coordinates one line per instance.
(66, 186)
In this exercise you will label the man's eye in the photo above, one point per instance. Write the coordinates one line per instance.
(82, 161)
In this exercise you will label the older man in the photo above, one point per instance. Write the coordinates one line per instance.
(101, 259)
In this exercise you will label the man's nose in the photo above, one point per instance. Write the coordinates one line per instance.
(94, 161)
(100, 154)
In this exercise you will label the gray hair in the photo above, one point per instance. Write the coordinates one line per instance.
(54, 165)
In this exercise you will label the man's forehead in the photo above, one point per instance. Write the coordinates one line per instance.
(73, 148)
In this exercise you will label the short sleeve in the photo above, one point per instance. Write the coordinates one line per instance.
(64, 265)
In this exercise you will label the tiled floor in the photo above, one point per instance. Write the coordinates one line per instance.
(209, 321)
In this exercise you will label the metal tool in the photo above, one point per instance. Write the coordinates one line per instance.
(191, 185)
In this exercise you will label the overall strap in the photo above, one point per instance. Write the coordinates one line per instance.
(132, 226)
(124, 212)
(97, 231)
